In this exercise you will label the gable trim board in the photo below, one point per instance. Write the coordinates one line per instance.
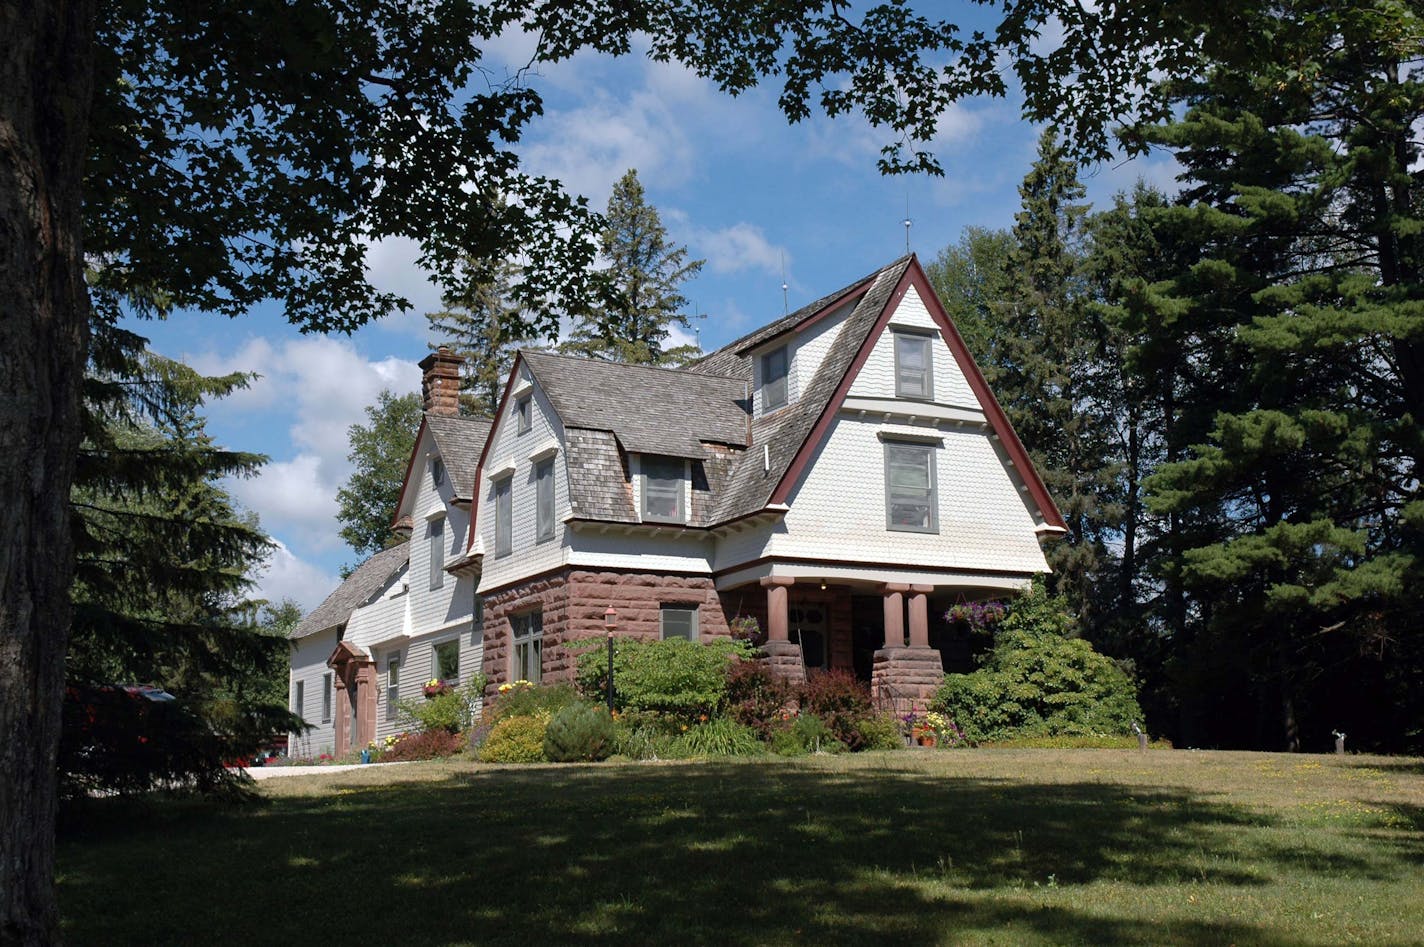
(409, 466)
(914, 276)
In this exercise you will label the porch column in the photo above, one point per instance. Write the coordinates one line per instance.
(920, 615)
(366, 705)
(776, 626)
(339, 699)
(895, 614)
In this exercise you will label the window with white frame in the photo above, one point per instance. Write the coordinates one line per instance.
(910, 500)
(523, 414)
(436, 529)
(914, 366)
(392, 686)
(326, 698)
(527, 661)
(664, 480)
(678, 621)
(503, 529)
(445, 661)
(773, 380)
(544, 500)
(299, 700)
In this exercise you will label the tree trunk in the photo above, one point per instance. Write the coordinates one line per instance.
(45, 89)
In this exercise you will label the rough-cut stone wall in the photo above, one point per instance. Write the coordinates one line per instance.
(548, 594)
(905, 679)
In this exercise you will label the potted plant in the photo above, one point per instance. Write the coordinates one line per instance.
(435, 688)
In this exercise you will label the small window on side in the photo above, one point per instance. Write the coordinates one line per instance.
(522, 411)
(299, 700)
(914, 366)
(326, 697)
(445, 661)
(392, 686)
(503, 532)
(679, 621)
(544, 500)
(437, 552)
(437, 472)
(773, 380)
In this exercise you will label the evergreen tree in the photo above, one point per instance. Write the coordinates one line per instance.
(641, 297)
(483, 323)
(380, 453)
(971, 277)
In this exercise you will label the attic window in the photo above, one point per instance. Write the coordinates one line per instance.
(914, 366)
(663, 493)
(773, 380)
(521, 414)
(437, 472)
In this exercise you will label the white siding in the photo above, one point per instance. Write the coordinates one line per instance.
(454, 600)
(877, 376)
(805, 351)
(308, 664)
(643, 553)
(509, 448)
(388, 615)
(417, 662)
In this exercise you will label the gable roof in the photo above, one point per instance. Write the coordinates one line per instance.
(459, 440)
(368, 578)
(649, 410)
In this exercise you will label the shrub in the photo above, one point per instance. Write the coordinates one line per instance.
(529, 700)
(1075, 743)
(675, 676)
(806, 733)
(841, 701)
(436, 744)
(451, 711)
(756, 699)
(720, 736)
(516, 739)
(1040, 685)
(580, 733)
(879, 732)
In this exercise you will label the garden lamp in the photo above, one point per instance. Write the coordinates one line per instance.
(610, 621)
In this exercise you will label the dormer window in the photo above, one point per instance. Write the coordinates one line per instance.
(773, 380)
(914, 366)
(663, 490)
(522, 414)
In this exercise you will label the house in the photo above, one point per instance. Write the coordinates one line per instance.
(840, 474)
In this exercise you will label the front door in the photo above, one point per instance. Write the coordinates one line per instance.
(807, 626)
(867, 617)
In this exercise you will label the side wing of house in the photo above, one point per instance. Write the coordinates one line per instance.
(311, 694)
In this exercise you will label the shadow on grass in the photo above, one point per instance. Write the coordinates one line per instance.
(708, 853)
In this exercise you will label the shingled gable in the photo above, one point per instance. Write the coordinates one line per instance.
(368, 578)
(461, 443)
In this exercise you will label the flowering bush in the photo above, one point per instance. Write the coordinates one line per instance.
(436, 687)
(755, 698)
(517, 739)
(523, 699)
(427, 745)
(508, 686)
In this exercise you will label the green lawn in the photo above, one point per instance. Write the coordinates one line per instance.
(985, 846)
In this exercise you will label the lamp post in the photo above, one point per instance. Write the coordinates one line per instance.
(610, 621)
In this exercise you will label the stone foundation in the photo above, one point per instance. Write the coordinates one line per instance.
(784, 660)
(903, 679)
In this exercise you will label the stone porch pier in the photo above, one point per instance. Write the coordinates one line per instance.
(783, 654)
(905, 677)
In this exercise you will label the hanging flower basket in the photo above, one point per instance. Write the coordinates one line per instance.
(435, 688)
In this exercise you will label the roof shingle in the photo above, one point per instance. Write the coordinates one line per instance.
(460, 441)
(368, 579)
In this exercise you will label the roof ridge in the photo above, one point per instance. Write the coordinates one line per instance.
(586, 360)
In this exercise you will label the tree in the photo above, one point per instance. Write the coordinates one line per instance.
(642, 296)
(971, 277)
(482, 324)
(380, 452)
(212, 155)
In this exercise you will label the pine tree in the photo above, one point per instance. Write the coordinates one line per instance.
(971, 277)
(641, 286)
(483, 323)
(380, 451)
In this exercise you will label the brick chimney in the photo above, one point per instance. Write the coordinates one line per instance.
(441, 385)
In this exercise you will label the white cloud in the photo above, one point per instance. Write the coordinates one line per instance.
(391, 266)
(286, 576)
(742, 246)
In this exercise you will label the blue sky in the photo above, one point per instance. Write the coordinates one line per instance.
(733, 182)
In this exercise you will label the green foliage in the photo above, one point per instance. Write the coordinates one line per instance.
(1104, 742)
(436, 743)
(580, 733)
(840, 700)
(481, 322)
(516, 739)
(755, 698)
(452, 711)
(380, 453)
(718, 737)
(1036, 612)
(678, 677)
(806, 733)
(879, 732)
(1040, 685)
(542, 699)
(641, 286)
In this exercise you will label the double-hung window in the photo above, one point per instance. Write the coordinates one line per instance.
(528, 656)
(523, 412)
(445, 661)
(436, 529)
(299, 700)
(910, 500)
(679, 621)
(663, 489)
(503, 544)
(544, 500)
(392, 685)
(773, 380)
(326, 697)
(914, 366)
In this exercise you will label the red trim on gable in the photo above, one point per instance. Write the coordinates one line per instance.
(410, 465)
(813, 318)
(915, 276)
(484, 451)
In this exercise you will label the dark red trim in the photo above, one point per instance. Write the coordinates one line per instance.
(410, 465)
(857, 564)
(914, 275)
(812, 319)
(475, 490)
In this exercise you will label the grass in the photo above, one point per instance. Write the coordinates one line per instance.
(957, 847)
